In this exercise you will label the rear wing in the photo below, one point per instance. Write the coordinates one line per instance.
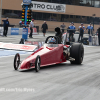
(22, 47)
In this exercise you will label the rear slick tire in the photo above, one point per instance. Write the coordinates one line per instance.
(37, 64)
(77, 52)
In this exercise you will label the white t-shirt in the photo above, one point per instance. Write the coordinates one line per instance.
(20, 21)
(31, 24)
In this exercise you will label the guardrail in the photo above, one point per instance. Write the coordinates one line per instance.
(16, 31)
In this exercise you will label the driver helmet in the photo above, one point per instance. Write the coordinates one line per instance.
(52, 40)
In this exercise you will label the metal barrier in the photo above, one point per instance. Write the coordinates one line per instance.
(17, 31)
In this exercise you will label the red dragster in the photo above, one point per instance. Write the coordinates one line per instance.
(50, 54)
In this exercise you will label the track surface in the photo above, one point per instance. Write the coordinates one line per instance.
(57, 82)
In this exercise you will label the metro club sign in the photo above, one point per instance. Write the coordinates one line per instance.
(48, 6)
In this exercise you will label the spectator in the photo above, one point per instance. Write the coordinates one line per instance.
(71, 31)
(63, 27)
(44, 28)
(6, 24)
(81, 28)
(90, 29)
(20, 23)
(31, 28)
(98, 32)
(68, 28)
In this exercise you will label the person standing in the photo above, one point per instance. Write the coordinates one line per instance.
(31, 28)
(90, 29)
(20, 23)
(98, 32)
(63, 27)
(71, 31)
(81, 28)
(44, 28)
(6, 24)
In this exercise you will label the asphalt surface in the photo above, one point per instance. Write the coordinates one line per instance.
(57, 82)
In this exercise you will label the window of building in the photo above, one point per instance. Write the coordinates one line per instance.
(52, 17)
(11, 13)
(71, 16)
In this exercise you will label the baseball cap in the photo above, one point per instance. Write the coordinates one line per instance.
(7, 18)
(81, 23)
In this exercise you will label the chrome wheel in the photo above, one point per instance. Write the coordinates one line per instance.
(38, 64)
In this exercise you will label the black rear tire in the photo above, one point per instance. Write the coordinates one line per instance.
(37, 64)
(77, 52)
(16, 61)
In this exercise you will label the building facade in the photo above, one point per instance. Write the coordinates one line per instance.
(77, 11)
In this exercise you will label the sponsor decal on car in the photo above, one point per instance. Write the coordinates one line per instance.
(17, 46)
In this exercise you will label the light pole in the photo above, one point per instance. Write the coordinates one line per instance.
(1, 12)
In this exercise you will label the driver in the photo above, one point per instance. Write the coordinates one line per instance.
(52, 41)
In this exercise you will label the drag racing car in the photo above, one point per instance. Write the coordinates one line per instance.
(52, 52)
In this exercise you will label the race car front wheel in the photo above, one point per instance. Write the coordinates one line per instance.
(37, 64)
(77, 52)
(16, 61)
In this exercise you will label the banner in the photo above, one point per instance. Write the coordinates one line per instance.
(43, 6)
(14, 31)
(25, 33)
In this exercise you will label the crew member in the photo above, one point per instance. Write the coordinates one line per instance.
(71, 31)
(98, 32)
(20, 23)
(81, 28)
(63, 27)
(31, 28)
(6, 24)
(44, 28)
(90, 29)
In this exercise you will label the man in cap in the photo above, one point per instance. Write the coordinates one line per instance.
(63, 27)
(71, 31)
(31, 28)
(6, 24)
(90, 29)
(81, 28)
